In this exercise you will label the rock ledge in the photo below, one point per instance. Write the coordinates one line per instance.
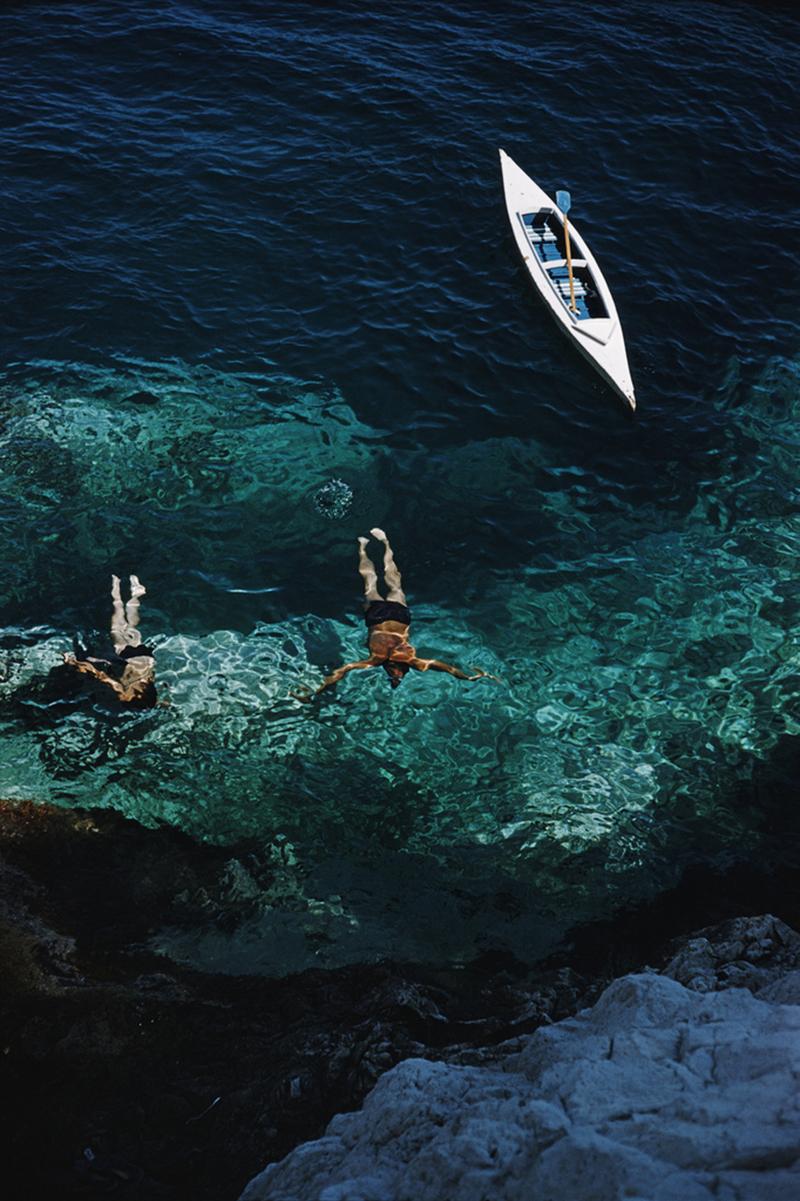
(667, 1089)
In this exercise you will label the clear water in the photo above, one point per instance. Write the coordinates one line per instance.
(289, 234)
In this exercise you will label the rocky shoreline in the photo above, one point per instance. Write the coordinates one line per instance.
(129, 1075)
(662, 1090)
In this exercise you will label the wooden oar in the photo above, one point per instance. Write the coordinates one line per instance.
(564, 200)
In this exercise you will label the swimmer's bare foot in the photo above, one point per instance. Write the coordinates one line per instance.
(137, 589)
(378, 533)
(362, 543)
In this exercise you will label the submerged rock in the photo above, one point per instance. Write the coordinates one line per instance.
(155, 1081)
(142, 397)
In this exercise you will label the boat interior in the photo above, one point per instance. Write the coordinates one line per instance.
(545, 234)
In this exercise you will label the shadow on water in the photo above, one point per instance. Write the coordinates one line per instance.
(340, 885)
(761, 876)
(77, 724)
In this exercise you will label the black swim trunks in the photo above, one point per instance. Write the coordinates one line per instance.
(136, 652)
(381, 610)
(110, 660)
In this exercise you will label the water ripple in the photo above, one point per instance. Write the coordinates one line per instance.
(287, 230)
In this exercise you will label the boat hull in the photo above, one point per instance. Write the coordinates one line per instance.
(593, 327)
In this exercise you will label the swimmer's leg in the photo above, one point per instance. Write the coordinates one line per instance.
(391, 572)
(366, 569)
(122, 633)
(132, 607)
(118, 621)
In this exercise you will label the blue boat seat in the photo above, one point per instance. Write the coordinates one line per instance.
(537, 233)
(547, 252)
(563, 287)
(544, 243)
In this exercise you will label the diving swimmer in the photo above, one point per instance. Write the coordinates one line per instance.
(387, 625)
(130, 669)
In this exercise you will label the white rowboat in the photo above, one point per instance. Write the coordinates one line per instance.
(538, 228)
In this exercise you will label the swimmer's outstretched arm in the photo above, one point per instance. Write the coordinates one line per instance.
(437, 665)
(335, 676)
(90, 670)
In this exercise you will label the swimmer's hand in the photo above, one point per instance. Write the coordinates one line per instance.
(305, 695)
(483, 675)
(88, 669)
(333, 679)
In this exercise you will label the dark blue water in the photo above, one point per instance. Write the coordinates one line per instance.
(286, 228)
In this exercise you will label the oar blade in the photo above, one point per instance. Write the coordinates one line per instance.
(563, 200)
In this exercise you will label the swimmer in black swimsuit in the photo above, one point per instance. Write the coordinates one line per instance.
(387, 625)
(129, 670)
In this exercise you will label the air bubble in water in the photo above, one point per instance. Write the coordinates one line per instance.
(333, 500)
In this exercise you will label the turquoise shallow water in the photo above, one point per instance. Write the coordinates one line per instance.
(249, 256)
(643, 673)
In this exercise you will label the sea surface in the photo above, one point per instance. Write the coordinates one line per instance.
(249, 249)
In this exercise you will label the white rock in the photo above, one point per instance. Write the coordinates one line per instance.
(658, 1093)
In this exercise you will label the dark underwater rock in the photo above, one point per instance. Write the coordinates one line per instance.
(134, 1076)
(157, 1081)
(143, 397)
